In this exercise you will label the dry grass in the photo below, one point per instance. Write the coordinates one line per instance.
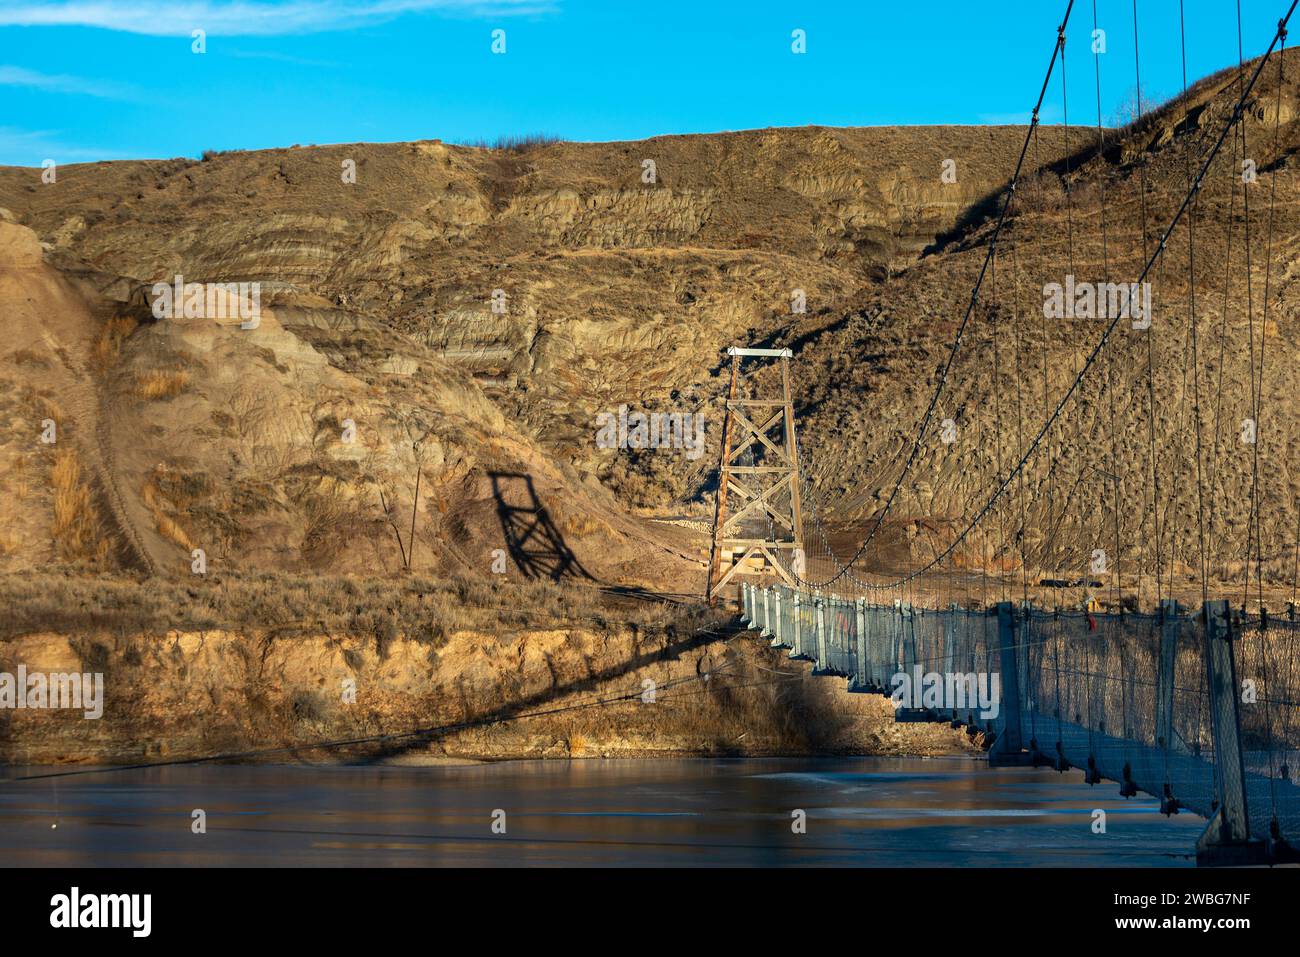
(577, 525)
(108, 346)
(47, 408)
(78, 535)
(161, 383)
(16, 481)
(329, 514)
(515, 143)
(419, 608)
(169, 528)
(159, 506)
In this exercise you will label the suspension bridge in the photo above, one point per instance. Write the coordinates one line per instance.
(1116, 545)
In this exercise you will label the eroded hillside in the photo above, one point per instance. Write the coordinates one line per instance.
(385, 356)
(461, 315)
(1119, 471)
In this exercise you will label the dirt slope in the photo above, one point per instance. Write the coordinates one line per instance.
(615, 287)
(174, 435)
(612, 288)
(1115, 459)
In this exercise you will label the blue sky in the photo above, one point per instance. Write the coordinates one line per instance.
(93, 79)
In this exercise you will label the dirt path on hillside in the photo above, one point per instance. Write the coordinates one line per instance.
(50, 314)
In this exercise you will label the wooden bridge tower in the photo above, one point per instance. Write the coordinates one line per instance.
(767, 490)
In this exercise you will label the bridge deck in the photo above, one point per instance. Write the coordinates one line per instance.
(1088, 688)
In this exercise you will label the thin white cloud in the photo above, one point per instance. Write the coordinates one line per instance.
(32, 147)
(244, 17)
(62, 83)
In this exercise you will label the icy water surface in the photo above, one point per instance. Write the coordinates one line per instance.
(860, 811)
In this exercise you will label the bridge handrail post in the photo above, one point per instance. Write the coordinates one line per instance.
(1231, 823)
(950, 648)
(766, 630)
(820, 605)
(1009, 738)
(1165, 668)
(909, 637)
(860, 625)
(796, 619)
(776, 625)
(896, 640)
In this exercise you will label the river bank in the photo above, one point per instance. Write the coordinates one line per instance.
(429, 673)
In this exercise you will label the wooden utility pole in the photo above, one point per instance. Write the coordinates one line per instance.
(769, 490)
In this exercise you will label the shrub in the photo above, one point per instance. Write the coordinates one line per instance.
(76, 529)
(161, 383)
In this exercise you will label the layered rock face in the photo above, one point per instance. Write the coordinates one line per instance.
(506, 694)
(471, 311)
(1177, 443)
(169, 440)
(618, 268)
(454, 315)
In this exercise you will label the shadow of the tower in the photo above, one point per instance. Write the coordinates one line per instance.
(534, 543)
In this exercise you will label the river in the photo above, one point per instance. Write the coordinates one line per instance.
(859, 811)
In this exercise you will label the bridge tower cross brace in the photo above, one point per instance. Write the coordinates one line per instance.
(770, 490)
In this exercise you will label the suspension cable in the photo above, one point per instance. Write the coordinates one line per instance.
(1057, 50)
(1192, 192)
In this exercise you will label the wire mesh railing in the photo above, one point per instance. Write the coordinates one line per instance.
(1196, 709)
